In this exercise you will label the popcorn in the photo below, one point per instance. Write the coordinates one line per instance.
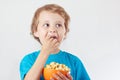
(57, 66)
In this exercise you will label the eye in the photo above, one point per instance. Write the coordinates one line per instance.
(46, 25)
(58, 25)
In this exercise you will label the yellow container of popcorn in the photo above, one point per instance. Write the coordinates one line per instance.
(53, 68)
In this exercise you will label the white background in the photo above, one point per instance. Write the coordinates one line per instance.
(94, 35)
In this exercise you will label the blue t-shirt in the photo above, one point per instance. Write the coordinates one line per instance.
(77, 69)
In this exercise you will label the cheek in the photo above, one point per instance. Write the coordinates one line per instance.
(42, 31)
(42, 34)
(61, 36)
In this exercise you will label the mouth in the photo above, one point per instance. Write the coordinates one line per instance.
(54, 37)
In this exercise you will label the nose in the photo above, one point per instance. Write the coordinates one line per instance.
(52, 30)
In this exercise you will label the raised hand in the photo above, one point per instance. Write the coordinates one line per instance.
(50, 44)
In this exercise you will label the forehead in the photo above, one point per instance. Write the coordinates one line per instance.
(47, 15)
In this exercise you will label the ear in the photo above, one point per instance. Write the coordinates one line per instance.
(36, 34)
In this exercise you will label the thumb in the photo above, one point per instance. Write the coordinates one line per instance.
(51, 79)
(69, 76)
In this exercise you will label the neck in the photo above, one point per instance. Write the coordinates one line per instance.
(56, 51)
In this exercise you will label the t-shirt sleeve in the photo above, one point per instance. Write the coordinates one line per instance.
(25, 65)
(81, 73)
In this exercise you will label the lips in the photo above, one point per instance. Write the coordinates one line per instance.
(55, 37)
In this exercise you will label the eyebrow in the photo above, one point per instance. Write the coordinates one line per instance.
(46, 21)
(58, 22)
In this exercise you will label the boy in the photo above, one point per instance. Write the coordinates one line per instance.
(50, 27)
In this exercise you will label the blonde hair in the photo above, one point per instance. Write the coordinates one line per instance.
(51, 8)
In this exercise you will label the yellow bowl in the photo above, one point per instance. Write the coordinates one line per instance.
(48, 73)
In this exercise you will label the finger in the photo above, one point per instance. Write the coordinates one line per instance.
(57, 44)
(63, 77)
(69, 76)
(56, 77)
(54, 40)
(48, 37)
(51, 39)
(51, 79)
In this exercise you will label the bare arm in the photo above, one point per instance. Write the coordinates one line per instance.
(50, 45)
(36, 70)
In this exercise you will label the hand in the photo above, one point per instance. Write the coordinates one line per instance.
(50, 45)
(60, 76)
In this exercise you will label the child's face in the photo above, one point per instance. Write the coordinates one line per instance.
(50, 24)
